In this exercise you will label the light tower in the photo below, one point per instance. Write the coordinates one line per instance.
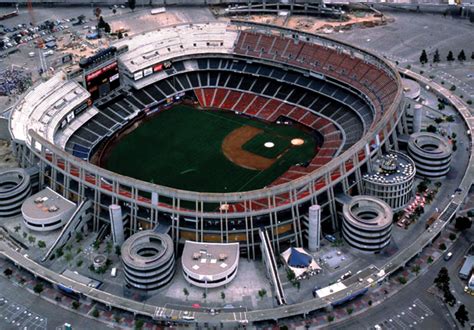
(314, 228)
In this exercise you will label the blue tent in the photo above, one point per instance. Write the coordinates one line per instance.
(298, 259)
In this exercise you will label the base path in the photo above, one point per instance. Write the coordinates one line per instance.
(232, 149)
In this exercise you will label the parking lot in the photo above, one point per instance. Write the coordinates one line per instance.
(16, 316)
(409, 317)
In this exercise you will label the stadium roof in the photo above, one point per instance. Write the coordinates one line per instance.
(163, 44)
(45, 106)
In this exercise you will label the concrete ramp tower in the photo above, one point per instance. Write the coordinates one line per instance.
(314, 228)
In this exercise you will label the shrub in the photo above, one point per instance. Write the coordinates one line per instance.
(350, 310)
(330, 318)
(429, 260)
(402, 280)
(95, 313)
(75, 304)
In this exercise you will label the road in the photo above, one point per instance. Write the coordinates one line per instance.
(397, 307)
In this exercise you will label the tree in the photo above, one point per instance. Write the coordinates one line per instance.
(463, 223)
(132, 4)
(38, 288)
(462, 315)
(114, 11)
(262, 293)
(449, 298)
(79, 236)
(95, 312)
(107, 28)
(416, 269)
(8, 272)
(436, 58)
(101, 23)
(17, 228)
(79, 263)
(75, 304)
(290, 275)
(109, 246)
(204, 295)
(442, 247)
(452, 236)
(41, 244)
(450, 56)
(186, 293)
(330, 318)
(139, 324)
(222, 295)
(118, 251)
(431, 129)
(402, 280)
(422, 186)
(472, 54)
(442, 280)
(429, 260)
(461, 56)
(423, 57)
(120, 35)
(68, 257)
(31, 239)
(350, 310)
(97, 12)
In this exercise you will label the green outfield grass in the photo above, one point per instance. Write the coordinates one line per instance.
(181, 148)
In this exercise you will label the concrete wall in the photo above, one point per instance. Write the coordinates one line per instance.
(4, 132)
(155, 3)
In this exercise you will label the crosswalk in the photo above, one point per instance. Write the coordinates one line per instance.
(409, 317)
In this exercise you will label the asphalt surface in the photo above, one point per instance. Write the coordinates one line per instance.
(19, 309)
(399, 307)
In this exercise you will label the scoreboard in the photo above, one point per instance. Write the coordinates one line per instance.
(103, 80)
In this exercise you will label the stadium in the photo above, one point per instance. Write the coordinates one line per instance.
(241, 126)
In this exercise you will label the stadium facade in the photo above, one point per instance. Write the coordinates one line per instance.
(350, 96)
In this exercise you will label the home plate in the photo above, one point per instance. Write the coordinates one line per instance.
(269, 144)
(297, 142)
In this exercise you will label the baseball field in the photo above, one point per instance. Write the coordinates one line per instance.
(209, 151)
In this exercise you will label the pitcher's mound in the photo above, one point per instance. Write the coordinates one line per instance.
(297, 142)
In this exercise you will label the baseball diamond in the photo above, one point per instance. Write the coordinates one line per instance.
(206, 150)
